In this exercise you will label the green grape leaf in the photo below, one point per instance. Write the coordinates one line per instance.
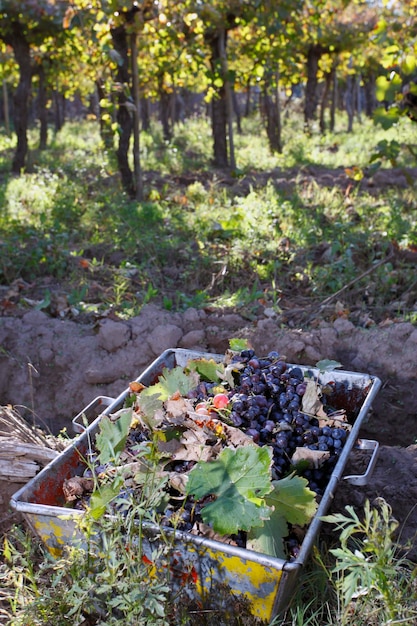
(269, 538)
(387, 89)
(102, 497)
(237, 345)
(327, 365)
(238, 480)
(170, 382)
(112, 435)
(387, 118)
(291, 502)
(151, 399)
(208, 369)
(292, 497)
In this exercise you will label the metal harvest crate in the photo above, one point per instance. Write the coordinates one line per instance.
(266, 582)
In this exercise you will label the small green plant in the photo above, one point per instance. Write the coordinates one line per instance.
(107, 577)
(375, 584)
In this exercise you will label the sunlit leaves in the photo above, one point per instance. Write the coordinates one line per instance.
(386, 89)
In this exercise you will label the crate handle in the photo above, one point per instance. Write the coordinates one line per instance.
(362, 479)
(78, 421)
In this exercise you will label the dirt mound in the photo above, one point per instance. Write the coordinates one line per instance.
(52, 368)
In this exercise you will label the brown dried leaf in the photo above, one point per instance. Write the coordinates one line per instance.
(136, 387)
(311, 404)
(235, 437)
(76, 487)
(338, 419)
(190, 448)
(178, 481)
(176, 406)
(315, 458)
(206, 531)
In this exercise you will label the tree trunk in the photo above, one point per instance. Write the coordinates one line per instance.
(21, 49)
(164, 110)
(124, 111)
(59, 101)
(179, 107)
(357, 100)
(136, 119)
(106, 132)
(349, 105)
(228, 95)
(145, 114)
(272, 112)
(248, 108)
(324, 99)
(6, 108)
(369, 93)
(334, 101)
(314, 54)
(236, 109)
(218, 103)
(42, 111)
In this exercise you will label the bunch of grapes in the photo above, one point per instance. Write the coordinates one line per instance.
(266, 403)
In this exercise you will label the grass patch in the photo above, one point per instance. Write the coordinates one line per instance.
(274, 230)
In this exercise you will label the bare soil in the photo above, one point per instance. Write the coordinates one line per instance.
(51, 368)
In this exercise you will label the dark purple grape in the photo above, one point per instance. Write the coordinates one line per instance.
(252, 432)
(260, 400)
(299, 419)
(252, 412)
(296, 372)
(315, 431)
(307, 438)
(276, 415)
(279, 368)
(338, 433)
(247, 354)
(235, 418)
(259, 388)
(294, 405)
(301, 388)
(238, 406)
(274, 387)
(273, 355)
(281, 441)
